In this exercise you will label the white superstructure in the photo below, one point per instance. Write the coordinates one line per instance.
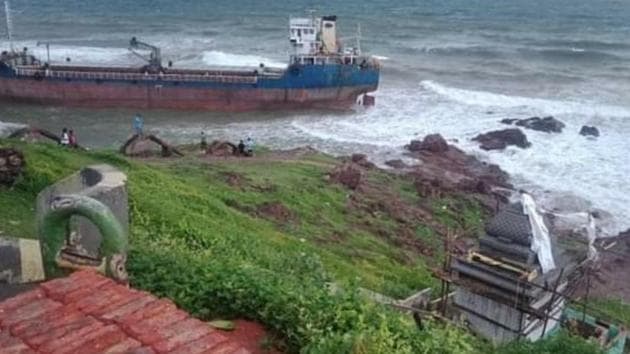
(314, 36)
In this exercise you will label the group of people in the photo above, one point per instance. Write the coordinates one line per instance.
(68, 138)
(246, 148)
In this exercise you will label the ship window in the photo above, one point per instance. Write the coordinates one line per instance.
(328, 25)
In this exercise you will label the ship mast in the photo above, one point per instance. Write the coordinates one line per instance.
(359, 38)
(7, 11)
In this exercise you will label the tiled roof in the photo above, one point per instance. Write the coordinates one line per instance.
(89, 313)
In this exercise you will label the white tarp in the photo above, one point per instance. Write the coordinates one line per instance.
(591, 233)
(541, 244)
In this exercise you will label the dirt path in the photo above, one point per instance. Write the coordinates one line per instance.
(290, 156)
(612, 280)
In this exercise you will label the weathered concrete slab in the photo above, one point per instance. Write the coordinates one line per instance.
(20, 261)
(503, 323)
(10, 266)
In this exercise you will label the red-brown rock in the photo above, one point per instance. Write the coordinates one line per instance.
(434, 143)
(361, 160)
(347, 174)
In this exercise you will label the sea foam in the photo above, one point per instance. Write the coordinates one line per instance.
(565, 166)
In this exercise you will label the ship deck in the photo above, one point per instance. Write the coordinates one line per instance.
(128, 74)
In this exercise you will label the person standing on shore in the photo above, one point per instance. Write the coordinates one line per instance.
(65, 138)
(249, 147)
(241, 148)
(72, 139)
(138, 124)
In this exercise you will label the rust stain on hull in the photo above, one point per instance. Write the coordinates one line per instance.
(143, 96)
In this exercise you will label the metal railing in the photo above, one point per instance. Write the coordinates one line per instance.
(93, 75)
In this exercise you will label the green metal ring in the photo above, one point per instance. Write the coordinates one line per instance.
(54, 228)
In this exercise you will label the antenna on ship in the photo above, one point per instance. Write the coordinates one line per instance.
(359, 38)
(7, 11)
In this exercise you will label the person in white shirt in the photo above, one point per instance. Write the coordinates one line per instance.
(249, 147)
(65, 137)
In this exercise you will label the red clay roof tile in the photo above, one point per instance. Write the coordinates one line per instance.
(86, 312)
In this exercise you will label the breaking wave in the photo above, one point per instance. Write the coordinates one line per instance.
(570, 53)
(546, 106)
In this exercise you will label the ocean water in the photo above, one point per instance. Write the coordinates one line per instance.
(454, 67)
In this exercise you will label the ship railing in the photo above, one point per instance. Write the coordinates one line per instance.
(87, 75)
(346, 59)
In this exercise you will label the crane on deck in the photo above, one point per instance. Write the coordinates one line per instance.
(154, 58)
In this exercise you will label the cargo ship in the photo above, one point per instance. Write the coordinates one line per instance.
(321, 73)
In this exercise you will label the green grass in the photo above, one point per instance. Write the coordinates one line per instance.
(615, 309)
(321, 214)
(198, 240)
(558, 344)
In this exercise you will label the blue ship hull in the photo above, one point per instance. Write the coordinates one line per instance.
(298, 86)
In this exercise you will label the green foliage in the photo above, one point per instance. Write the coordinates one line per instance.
(615, 309)
(199, 241)
(45, 164)
(561, 343)
(462, 215)
(301, 308)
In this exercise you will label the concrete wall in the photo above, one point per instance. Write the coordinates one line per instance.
(478, 309)
(101, 182)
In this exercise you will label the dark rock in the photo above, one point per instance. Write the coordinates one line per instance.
(12, 165)
(396, 163)
(455, 172)
(148, 145)
(547, 124)
(509, 121)
(222, 148)
(589, 131)
(500, 139)
(32, 134)
(361, 160)
(431, 143)
(414, 145)
(494, 144)
(347, 174)
(474, 184)
(434, 143)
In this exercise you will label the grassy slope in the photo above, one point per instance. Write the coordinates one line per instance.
(194, 239)
(196, 196)
(615, 309)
